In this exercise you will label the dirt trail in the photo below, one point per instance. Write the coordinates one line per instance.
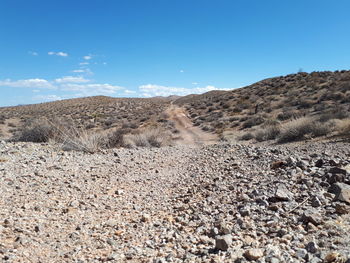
(189, 134)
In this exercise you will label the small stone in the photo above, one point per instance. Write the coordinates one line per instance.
(223, 242)
(278, 164)
(282, 193)
(301, 253)
(146, 218)
(311, 247)
(312, 217)
(337, 170)
(119, 192)
(319, 163)
(341, 191)
(334, 257)
(74, 203)
(316, 202)
(254, 253)
(342, 209)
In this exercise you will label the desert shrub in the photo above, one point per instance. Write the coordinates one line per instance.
(36, 131)
(90, 126)
(300, 128)
(10, 124)
(108, 123)
(232, 119)
(115, 139)
(342, 127)
(154, 137)
(246, 137)
(129, 125)
(286, 115)
(237, 109)
(336, 113)
(267, 133)
(81, 140)
(305, 104)
(253, 122)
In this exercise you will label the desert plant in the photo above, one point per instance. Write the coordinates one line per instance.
(246, 137)
(84, 141)
(267, 133)
(300, 128)
(154, 137)
(253, 122)
(343, 127)
(115, 139)
(36, 131)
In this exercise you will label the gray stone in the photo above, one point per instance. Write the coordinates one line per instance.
(254, 253)
(341, 191)
(311, 247)
(282, 193)
(301, 253)
(223, 242)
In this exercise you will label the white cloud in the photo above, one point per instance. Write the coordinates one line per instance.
(92, 89)
(83, 70)
(60, 54)
(127, 91)
(151, 90)
(33, 53)
(70, 79)
(47, 98)
(88, 57)
(84, 63)
(182, 71)
(194, 83)
(27, 83)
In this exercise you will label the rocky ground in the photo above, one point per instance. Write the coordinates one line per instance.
(217, 203)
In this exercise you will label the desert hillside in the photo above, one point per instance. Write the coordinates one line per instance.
(272, 101)
(156, 180)
(256, 112)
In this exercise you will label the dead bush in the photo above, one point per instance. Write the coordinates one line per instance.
(267, 133)
(246, 137)
(84, 141)
(343, 127)
(115, 139)
(36, 131)
(300, 128)
(253, 122)
(154, 137)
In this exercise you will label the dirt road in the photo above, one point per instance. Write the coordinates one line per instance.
(189, 134)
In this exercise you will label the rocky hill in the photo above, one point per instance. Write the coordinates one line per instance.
(272, 101)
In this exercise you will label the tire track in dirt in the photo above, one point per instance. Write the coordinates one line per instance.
(188, 133)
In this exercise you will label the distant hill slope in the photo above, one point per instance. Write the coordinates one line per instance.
(97, 112)
(270, 100)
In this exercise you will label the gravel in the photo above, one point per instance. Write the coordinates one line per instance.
(218, 203)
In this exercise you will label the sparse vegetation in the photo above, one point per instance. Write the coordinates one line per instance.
(36, 131)
(267, 133)
(300, 128)
(153, 137)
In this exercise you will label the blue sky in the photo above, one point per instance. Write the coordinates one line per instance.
(138, 48)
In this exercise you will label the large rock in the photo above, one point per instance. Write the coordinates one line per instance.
(341, 191)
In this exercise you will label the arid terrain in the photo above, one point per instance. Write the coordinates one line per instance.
(257, 174)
